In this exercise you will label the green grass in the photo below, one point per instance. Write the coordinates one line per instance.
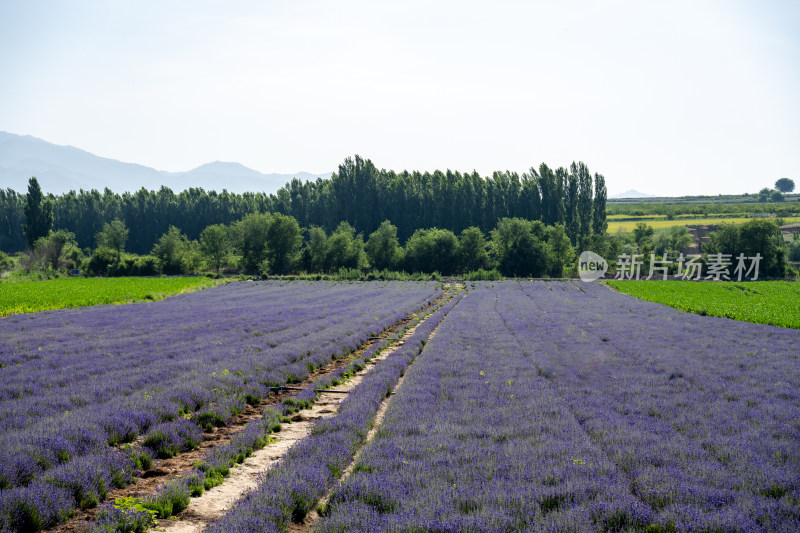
(763, 302)
(30, 296)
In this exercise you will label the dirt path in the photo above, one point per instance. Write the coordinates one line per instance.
(313, 516)
(243, 478)
(167, 469)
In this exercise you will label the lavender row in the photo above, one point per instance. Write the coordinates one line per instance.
(289, 491)
(701, 413)
(216, 465)
(477, 441)
(106, 351)
(213, 393)
(553, 406)
(52, 497)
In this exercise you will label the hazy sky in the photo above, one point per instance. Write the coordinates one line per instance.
(679, 97)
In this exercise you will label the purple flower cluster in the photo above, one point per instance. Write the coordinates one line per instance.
(700, 413)
(171, 438)
(289, 491)
(565, 407)
(51, 498)
(74, 381)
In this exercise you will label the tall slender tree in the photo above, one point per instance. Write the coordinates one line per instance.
(584, 201)
(599, 222)
(38, 213)
(572, 222)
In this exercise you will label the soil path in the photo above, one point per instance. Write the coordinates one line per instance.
(216, 502)
(167, 469)
(243, 478)
(313, 516)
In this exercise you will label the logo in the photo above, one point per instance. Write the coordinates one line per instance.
(591, 266)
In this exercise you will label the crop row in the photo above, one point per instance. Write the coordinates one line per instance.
(174, 495)
(76, 381)
(292, 488)
(553, 407)
(702, 414)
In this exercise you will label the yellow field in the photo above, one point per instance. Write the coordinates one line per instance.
(660, 223)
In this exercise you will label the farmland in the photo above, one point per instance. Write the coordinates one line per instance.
(31, 296)
(763, 302)
(554, 407)
(161, 370)
(625, 226)
(509, 406)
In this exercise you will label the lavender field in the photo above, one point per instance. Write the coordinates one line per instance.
(523, 406)
(76, 383)
(567, 407)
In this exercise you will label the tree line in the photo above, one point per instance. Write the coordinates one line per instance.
(358, 193)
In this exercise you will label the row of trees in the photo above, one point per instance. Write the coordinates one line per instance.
(276, 244)
(358, 193)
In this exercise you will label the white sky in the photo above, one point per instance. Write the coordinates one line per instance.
(679, 97)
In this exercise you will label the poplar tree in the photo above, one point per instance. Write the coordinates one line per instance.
(38, 214)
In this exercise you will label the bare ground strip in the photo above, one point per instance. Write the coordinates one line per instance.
(167, 469)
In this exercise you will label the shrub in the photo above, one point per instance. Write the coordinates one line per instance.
(169, 439)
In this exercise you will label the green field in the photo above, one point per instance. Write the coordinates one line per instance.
(763, 302)
(30, 296)
(618, 226)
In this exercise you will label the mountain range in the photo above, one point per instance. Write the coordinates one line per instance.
(60, 169)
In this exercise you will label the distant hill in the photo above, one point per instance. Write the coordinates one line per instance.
(631, 194)
(60, 169)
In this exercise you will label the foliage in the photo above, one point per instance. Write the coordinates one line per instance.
(561, 252)
(12, 221)
(104, 262)
(314, 256)
(38, 213)
(172, 250)
(53, 253)
(6, 262)
(762, 302)
(642, 234)
(794, 248)
(344, 249)
(519, 248)
(283, 243)
(113, 236)
(599, 217)
(473, 250)
(32, 296)
(215, 245)
(383, 248)
(126, 515)
(671, 241)
(432, 250)
(171, 498)
(250, 235)
(754, 236)
(358, 193)
(785, 185)
(483, 275)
